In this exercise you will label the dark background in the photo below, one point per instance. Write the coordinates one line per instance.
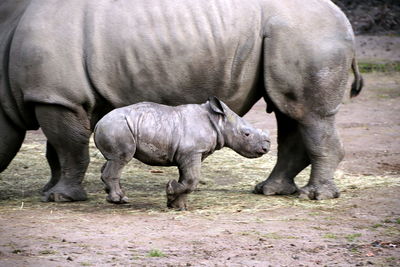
(372, 16)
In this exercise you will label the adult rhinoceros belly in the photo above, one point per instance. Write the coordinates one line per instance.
(170, 52)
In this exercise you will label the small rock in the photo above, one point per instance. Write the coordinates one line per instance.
(69, 258)
(369, 254)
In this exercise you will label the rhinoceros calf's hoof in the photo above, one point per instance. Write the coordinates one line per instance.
(117, 199)
(172, 187)
(178, 202)
(321, 192)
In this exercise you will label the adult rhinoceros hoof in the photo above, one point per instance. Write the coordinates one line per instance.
(270, 188)
(64, 194)
(327, 191)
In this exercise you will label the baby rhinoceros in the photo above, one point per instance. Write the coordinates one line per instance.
(181, 136)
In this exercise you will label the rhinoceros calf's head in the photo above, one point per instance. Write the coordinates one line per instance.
(238, 134)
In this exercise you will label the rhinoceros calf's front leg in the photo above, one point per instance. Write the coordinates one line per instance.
(189, 174)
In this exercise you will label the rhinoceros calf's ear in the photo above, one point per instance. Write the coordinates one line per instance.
(216, 105)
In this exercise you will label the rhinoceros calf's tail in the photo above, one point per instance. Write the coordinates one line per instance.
(358, 79)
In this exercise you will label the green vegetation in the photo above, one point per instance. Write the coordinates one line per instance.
(85, 264)
(47, 252)
(379, 67)
(155, 253)
(377, 225)
(271, 235)
(276, 235)
(354, 250)
(352, 237)
(330, 236)
(392, 231)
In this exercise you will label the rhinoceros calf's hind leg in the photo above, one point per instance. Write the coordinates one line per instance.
(11, 139)
(68, 133)
(292, 159)
(117, 144)
(111, 175)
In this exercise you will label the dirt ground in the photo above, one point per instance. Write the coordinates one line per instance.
(226, 225)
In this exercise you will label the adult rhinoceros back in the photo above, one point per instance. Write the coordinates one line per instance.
(66, 63)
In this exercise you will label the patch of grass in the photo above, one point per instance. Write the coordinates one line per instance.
(366, 67)
(272, 235)
(392, 231)
(277, 236)
(47, 252)
(352, 237)
(230, 181)
(319, 228)
(155, 253)
(315, 213)
(391, 259)
(398, 220)
(248, 233)
(354, 250)
(330, 236)
(377, 225)
(85, 264)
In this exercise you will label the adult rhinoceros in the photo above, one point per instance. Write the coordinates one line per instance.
(64, 64)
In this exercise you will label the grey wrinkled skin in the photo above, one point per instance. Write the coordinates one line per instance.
(180, 136)
(65, 64)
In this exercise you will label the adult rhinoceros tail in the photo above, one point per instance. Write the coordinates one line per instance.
(358, 79)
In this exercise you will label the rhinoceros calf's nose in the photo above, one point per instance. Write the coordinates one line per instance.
(266, 146)
(265, 136)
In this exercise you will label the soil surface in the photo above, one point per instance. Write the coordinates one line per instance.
(226, 225)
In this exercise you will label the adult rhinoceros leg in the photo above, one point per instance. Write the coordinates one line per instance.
(68, 133)
(292, 159)
(54, 163)
(305, 79)
(326, 151)
(11, 139)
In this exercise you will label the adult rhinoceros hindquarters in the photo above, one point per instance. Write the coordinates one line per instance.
(67, 63)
